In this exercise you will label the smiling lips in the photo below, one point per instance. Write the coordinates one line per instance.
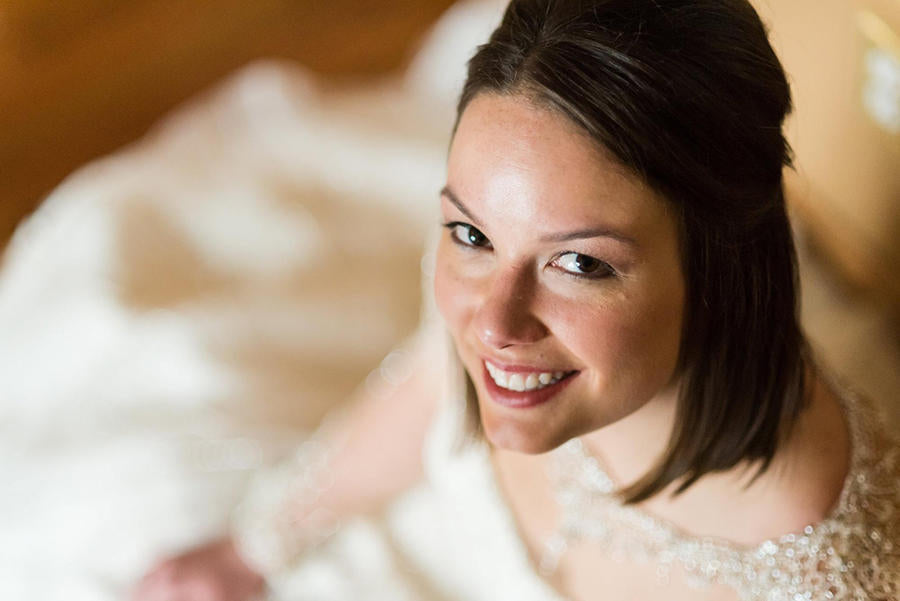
(519, 388)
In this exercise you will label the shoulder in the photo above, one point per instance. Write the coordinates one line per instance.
(807, 479)
(820, 458)
(853, 553)
(863, 542)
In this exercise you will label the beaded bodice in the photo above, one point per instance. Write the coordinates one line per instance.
(854, 554)
(463, 538)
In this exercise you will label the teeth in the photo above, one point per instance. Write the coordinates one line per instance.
(517, 382)
(521, 382)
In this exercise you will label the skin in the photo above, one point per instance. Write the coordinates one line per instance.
(526, 178)
(211, 572)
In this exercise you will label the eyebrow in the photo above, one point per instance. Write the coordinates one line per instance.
(453, 198)
(600, 232)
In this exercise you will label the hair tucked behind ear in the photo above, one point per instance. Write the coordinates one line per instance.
(689, 95)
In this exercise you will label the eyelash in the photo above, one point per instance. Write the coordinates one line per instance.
(604, 269)
(471, 228)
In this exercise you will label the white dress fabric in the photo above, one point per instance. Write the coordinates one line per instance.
(450, 538)
(453, 538)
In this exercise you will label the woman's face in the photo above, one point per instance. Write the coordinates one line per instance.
(558, 275)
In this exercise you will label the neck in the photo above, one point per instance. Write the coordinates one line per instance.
(630, 447)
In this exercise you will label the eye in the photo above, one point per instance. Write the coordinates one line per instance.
(584, 266)
(467, 235)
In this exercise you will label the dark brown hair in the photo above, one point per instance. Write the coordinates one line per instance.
(688, 95)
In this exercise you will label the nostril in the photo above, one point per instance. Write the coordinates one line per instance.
(507, 314)
(502, 330)
(490, 337)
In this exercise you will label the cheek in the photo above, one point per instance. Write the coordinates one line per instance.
(450, 293)
(652, 338)
(624, 340)
(599, 336)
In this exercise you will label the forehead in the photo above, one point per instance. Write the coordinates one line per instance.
(508, 151)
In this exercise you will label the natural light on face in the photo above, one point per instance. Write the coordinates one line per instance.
(558, 275)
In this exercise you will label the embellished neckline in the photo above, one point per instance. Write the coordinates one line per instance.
(817, 560)
(595, 479)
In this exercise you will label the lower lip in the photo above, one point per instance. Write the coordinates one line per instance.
(525, 398)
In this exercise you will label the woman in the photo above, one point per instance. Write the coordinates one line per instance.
(642, 419)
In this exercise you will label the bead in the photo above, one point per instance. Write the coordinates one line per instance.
(850, 555)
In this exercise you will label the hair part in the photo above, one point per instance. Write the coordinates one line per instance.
(689, 96)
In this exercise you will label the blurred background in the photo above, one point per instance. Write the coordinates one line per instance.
(79, 79)
(213, 214)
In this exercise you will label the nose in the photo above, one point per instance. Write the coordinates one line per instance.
(506, 314)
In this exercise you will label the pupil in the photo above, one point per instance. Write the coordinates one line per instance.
(475, 237)
(585, 263)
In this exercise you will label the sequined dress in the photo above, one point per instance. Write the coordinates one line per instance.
(453, 538)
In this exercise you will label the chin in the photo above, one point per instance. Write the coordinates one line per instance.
(522, 437)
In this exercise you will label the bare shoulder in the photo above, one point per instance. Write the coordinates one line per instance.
(809, 480)
(802, 486)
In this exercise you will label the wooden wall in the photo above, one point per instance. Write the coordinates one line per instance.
(79, 79)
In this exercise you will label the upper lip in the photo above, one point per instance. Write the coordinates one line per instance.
(519, 368)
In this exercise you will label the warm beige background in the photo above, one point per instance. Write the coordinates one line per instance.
(847, 188)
